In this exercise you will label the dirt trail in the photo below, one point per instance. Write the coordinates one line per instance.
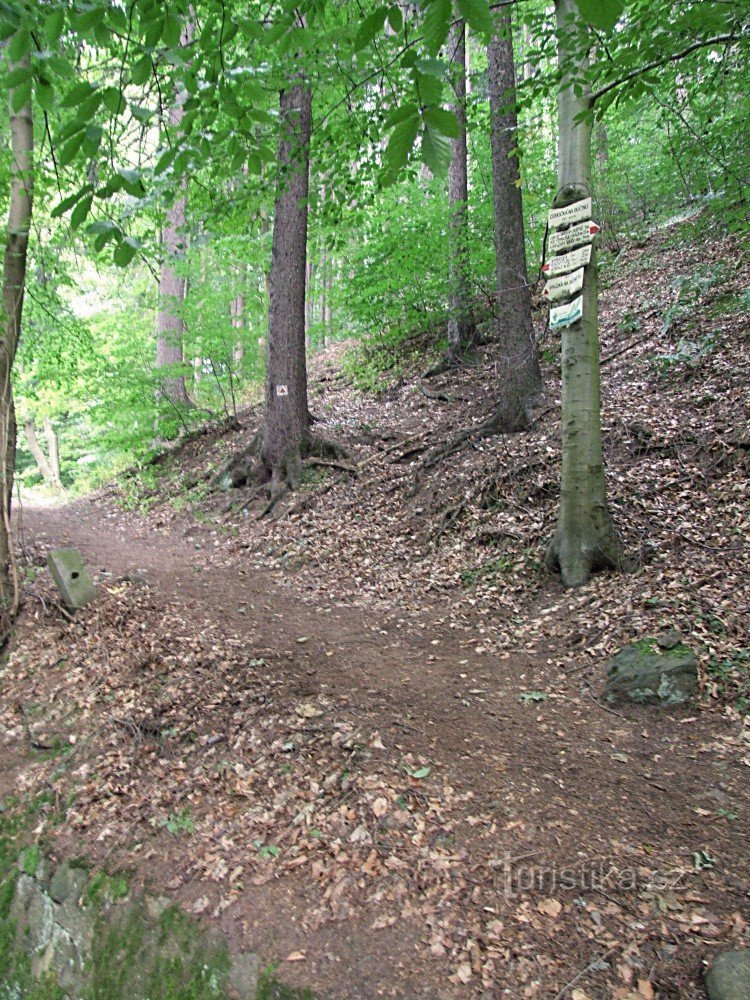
(566, 779)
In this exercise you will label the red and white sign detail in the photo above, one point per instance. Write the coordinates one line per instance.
(584, 232)
(568, 261)
(282, 390)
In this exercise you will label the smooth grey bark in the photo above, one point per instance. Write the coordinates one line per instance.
(14, 285)
(520, 379)
(170, 326)
(461, 325)
(285, 436)
(585, 540)
(237, 314)
(42, 462)
(53, 448)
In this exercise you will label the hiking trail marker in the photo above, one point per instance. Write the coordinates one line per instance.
(566, 314)
(561, 288)
(568, 261)
(282, 390)
(579, 211)
(583, 232)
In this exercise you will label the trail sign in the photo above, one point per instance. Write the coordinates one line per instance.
(568, 261)
(567, 314)
(282, 390)
(560, 288)
(584, 232)
(577, 212)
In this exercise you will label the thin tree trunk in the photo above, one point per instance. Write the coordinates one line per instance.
(461, 325)
(237, 312)
(42, 462)
(585, 540)
(520, 376)
(53, 449)
(286, 425)
(170, 326)
(14, 283)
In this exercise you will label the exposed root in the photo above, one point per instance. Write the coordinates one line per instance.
(325, 464)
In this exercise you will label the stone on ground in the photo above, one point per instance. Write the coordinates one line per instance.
(71, 577)
(661, 671)
(729, 976)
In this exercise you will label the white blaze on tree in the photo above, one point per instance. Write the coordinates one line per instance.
(585, 540)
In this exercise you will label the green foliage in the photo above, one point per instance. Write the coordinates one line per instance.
(179, 822)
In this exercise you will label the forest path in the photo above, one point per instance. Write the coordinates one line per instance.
(561, 780)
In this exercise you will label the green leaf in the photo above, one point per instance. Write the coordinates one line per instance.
(81, 210)
(422, 772)
(19, 45)
(401, 142)
(18, 76)
(20, 95)
(437, 20)
(601, 14)
(172, 31)
(124, 252)
(70, 149)
(444, 121)
(45, 95)
(370, 27)
(400, 114)
(477, 15)
(131, 181)
(113, 100)
(62, 207)
(436, 150)
(54, 23)
(165, 160)
(141, 71)
(77, 94)
(396, 19)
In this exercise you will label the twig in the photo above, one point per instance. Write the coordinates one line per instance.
(583, 972)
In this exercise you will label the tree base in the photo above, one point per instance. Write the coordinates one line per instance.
(578, 558)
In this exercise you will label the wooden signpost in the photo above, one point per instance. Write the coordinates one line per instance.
(571, 229)
(566, 314)
(561, 288)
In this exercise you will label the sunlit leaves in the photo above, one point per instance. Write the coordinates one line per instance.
(370, 27)
(477, 15)
(436, 24)
(401, 142)
(435, 149)
(601, 14)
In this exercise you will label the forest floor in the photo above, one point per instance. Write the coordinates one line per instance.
(366, 734)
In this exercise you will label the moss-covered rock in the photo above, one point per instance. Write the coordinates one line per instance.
(653, 672)
(729, 976)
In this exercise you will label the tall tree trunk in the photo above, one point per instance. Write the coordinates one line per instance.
(53, 448)
(14, 283)
(461, 325)
(170, 326)
(237, 312)
(286, 422)
(42, 462)
(520, 381)
(585, 540)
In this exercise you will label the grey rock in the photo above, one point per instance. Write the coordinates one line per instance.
(67, 882)
(669, 639)
(243, 976)
(729, 976)
(71, 577)
(646, 674)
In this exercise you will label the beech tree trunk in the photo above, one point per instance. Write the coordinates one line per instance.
(14, 283)
(42, 462)
(53, 448)
(170, 326)
(585, 540)
(237, 312)
(461, 325)
(520, 381)
(285, 436)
